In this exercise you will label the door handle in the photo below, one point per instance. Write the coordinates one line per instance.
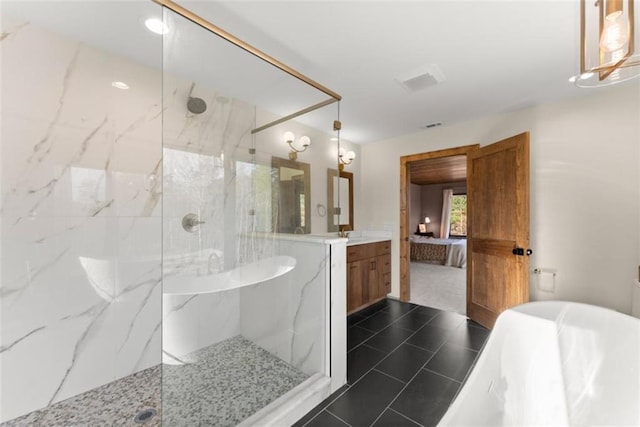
(521, 252)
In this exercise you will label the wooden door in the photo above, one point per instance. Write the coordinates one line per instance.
(498, 228)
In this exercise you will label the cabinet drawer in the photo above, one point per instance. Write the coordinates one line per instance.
(368, 250)
(356, 253)
(359, 252)
(383, 247)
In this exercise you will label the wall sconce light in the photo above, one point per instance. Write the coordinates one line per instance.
(608, 41)
(345, 158)
(427, 220)
(289, 138)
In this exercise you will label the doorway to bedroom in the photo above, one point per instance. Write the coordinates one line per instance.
(434, 258)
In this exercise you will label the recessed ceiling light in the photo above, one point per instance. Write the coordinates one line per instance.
(120, 85)
(573, 79)
(156, 25)
(333, 138)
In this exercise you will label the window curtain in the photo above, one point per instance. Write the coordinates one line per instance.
(445, 223)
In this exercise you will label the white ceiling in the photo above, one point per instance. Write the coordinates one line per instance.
(497, 56)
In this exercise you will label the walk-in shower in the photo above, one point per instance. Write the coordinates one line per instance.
(145, 277)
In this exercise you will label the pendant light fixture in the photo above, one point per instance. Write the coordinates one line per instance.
(608, 43)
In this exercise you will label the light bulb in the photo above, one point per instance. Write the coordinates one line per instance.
(341, 152)
(289, 137)
(615, 33)
(350, 155)
(305, 141)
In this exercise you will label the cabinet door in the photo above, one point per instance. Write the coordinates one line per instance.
(384, 274)
(373, 278)
(355, 298)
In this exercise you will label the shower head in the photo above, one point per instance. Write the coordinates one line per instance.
(196, 105)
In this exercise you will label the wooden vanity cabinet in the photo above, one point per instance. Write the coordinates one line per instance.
(368, 274)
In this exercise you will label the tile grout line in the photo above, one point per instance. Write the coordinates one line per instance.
(394, 348)
(386, 327)
(418, 347)
(388, 354)
(441, 375)
(404, 416)
(372, 368)
(414, 376)
(324, 408)
(384, 358)
(405, 341)
(388, 375)
(328, 411)
(471, 368)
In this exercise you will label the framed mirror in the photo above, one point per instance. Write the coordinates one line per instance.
(291, 192)
(339, 200)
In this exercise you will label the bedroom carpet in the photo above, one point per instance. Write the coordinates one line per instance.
(439, 286)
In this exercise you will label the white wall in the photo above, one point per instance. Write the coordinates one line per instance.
(584, 188)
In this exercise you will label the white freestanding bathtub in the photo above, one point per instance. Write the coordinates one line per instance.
(554, 364)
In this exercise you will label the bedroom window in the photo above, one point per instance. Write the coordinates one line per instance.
(458, 226)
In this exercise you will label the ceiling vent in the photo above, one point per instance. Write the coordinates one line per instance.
(421, 78)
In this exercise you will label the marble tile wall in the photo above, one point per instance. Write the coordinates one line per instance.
(217, 169)
(80, 289)
(94, 183)
(287, 315)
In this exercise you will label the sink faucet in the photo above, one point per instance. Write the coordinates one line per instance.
(298, 230)
(218, 262)
(344, 232)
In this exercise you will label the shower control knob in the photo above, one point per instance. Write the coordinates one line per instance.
(191, 223)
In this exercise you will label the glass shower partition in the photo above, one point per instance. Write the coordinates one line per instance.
(245, 296)
(150, 224)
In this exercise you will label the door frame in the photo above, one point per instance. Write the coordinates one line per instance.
(405, 208)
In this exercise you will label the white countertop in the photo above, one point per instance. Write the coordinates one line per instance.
(365, 240)
(355, 237)
(368, 236)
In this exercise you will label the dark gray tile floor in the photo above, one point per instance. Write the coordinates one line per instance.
(405, 364)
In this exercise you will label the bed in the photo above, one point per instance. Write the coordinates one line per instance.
(451, 252)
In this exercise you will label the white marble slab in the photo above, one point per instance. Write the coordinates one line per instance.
(80, 291)
(94, 184)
